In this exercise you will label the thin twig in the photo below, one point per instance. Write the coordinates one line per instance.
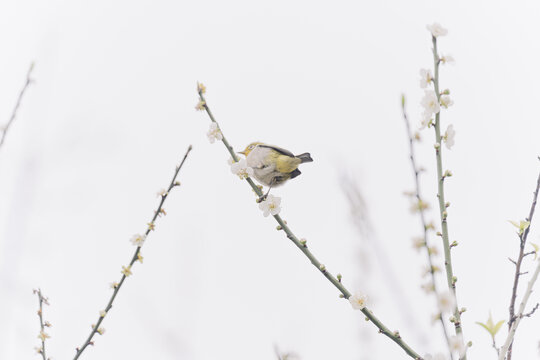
(521, 256)
(440, 194)
(394, 336)
(42, 334)
(95, 328)
(421, 211)
(17, 104)
(529, 314)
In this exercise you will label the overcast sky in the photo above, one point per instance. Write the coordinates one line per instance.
(111, 113)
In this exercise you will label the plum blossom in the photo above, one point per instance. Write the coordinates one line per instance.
(271, 205)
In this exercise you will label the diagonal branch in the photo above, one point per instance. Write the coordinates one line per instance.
(521, 256)
(17, 104)
(136, 256)
(394, 336)
(512, 332)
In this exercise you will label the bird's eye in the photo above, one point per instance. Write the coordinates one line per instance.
(251, 147)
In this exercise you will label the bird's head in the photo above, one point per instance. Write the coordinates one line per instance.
(249, 148)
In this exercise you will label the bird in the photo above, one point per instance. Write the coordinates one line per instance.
(273, 166)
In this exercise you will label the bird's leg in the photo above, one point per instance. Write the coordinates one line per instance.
(262, 198)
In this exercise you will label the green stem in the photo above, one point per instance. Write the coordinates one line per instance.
(440, 194)
(422, 216)
(394, 336)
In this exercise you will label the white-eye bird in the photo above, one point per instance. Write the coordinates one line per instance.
(273, 166)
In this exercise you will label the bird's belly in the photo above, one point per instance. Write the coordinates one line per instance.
(265, 176)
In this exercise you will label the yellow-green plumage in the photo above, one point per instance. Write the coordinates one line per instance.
(286, 164)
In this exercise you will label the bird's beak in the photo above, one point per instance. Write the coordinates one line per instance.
(241, 152)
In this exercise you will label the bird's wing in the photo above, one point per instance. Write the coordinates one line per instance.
(278, 149)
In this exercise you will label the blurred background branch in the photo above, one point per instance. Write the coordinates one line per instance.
(4, 129)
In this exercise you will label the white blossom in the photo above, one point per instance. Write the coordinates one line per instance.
(426, 118)
(449, 136)
(437, 30)
(446, 302)
(430, 102)
(161, 192)
(425, 78)
(457, 345)
(270, 205)
(446, 101)
(241, 169)
(447, 59)
(358, 301)
(230, 161)
(214, 133)
(138, 240)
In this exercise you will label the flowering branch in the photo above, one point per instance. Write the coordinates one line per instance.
(137, 240)
(28, 81)
(524, 228)
(302, 244)
(42, 334)
(436, 31)
(421, 211)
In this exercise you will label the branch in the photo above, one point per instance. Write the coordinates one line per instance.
(421, 212)
(521, 256)
(17, 104)
(42, 334)
(451, 280)
(510, 338)
(529, 314)
(136, 256)
(394, 336)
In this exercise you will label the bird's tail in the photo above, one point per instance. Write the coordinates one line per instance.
(305, 157)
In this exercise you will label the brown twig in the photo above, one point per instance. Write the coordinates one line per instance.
(529, 314)
(96, 328)
(42, 334)
(521, 256)
(17, 104)
(421, 212)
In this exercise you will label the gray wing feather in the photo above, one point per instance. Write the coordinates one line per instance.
(278, 149)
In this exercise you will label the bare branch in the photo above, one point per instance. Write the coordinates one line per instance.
(17, 104)
(521, 256)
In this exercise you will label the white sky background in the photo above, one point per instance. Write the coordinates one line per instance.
(112, 112)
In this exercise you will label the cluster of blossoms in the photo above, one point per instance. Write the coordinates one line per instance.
(214, 133)
(432, 102)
